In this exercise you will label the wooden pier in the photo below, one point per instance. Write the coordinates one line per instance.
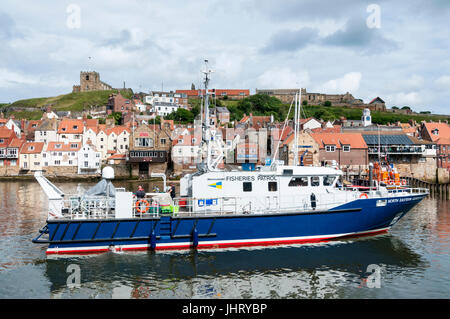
(441, 190)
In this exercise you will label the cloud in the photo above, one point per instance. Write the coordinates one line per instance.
(291, 40)
(350, 82)
(8, 29)
(278, 78)
(11, 79)
(357, 35)
(443, 81)
(404, 99)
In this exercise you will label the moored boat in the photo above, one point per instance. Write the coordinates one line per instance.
(273, 205)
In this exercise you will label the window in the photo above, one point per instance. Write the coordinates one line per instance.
(144, 141)
(58, 162)
(315, 181)
(330, 148)
(346, 148)
(73, 145)
(86, 164)
(288, 172)
(328, 180)
(163, 141)
(298, 181)
(70, 162)
(273, 186)
(2, 140)
(247, 186)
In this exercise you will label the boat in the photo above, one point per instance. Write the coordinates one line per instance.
(275, 204)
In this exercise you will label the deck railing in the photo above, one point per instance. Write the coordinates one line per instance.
(99, 207)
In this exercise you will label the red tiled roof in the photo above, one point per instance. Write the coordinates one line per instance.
(444, 130)
(118, 156)
(16, 143)
(61, 147)
(32, 148)
(71, 126)
(355, 140)
(117, 130)
(6, 132)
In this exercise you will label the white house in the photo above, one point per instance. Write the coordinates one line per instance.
(46, 132)
(13, 125)
(89, 159)
(162, 103)
(310, 123)
(70, 130)
(61, 154)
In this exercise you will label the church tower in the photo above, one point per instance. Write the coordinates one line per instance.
(366, 118)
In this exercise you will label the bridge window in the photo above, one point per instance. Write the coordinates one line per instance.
(328, 180)
(315, 181)
(247, 186)
(273, 186)
(298, 181)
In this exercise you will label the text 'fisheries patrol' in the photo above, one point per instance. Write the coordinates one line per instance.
(251, 178)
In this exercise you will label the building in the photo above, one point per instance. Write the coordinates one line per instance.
(345, 100)
(89, 160)
(347, 149)
(61, 154)
(148, 150)
(233, 94)
(186, 151)
(46, 131)
(255, 121)
(9, 147)
(117, 103)
(110, 140)
(174, 98)
(308, 150)
(440, 134)
(90, 81)
(70, 131)
(221, 114)
(30, 156)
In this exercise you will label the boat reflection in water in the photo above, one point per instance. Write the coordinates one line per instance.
(307, 271)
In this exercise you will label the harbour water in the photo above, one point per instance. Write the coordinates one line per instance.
(411, 261)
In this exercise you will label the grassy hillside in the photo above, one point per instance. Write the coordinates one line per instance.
(75, 102)
(265, 105)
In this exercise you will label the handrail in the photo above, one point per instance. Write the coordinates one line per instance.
(95, 207)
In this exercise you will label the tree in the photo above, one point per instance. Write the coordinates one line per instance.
(181, 115)
(305, 103)
(192, 86)
(327, 103)
(117, 116)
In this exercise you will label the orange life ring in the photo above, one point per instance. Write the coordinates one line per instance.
(363, 195)
(138, 206)
(391, 183)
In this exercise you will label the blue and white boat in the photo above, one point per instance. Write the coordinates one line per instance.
(272, 205)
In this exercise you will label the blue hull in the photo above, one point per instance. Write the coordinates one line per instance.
(358, 218)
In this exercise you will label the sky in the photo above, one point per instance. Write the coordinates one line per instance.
(396, 50)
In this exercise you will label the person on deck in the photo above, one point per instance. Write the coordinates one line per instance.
(140, 192)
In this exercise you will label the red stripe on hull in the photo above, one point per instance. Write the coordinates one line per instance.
(223, 245)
